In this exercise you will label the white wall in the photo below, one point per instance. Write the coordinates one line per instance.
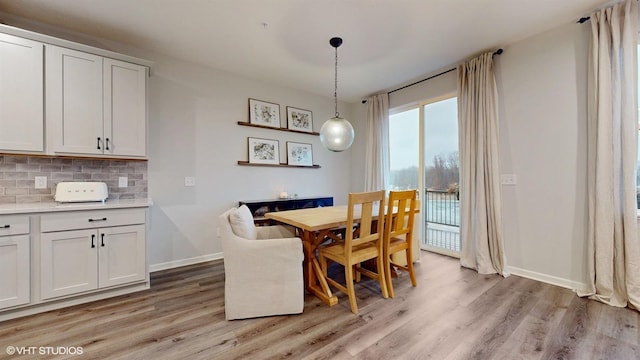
(542, 120)
(543, 102)
(193, 114)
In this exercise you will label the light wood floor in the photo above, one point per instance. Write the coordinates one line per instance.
(454, 313)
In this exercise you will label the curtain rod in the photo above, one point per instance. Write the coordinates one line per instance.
(497, 52)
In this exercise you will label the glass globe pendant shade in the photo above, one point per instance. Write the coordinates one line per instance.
(337, 134)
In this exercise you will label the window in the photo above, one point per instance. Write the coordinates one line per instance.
(404, 149)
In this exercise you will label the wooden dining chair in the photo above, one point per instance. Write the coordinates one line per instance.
(398, 233)
(363, 241)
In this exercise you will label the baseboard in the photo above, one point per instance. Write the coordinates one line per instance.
(553, 280)
(185, 262)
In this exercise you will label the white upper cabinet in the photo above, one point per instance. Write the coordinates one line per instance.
(21, 89)
(125, 108)
(74, 101)
(95, 105)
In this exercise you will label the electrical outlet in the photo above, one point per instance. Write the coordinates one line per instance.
(509, 179)
(189, 181)
(41, 182)
(123, 181)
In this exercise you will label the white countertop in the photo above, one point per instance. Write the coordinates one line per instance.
(8, 209)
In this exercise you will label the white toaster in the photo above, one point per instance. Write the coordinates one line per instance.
(81, 192)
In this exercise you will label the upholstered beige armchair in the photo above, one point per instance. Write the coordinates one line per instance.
(262, 266)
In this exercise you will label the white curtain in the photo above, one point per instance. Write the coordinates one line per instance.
(480, 195)
(613, 248)
(376, 170)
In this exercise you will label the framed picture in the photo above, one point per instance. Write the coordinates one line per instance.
(264, 113)
(299, 154)
(264, 151)
(299, 119)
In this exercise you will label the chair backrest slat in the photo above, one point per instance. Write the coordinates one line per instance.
(369, 205)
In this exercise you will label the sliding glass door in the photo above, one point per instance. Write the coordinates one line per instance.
(424, 155)
(441, 200)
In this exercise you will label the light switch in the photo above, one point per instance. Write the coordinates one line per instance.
(123, 181)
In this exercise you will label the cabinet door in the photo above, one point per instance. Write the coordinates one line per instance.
(14, 271)
(74, 101)
(21, 94)
(123, 256)
(69, 262)
(125, 105)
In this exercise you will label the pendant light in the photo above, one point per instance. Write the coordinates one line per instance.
(336, 133)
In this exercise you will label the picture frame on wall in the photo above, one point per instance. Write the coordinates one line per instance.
(299, 154)
(299, 119)
(264, 113)
(264, 151)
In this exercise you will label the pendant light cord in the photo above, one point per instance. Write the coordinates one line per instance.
(335, 89)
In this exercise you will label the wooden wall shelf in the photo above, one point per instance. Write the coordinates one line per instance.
(246, 163)
(244, 123)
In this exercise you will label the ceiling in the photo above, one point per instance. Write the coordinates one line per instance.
(386, 43)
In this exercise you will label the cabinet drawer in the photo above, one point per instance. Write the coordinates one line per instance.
(14, 225)
(91, 219)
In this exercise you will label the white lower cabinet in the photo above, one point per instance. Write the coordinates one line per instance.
(14, 261)
(121, 255)
(53, 259)
(85, 260)
(14, 270)
(69, 263)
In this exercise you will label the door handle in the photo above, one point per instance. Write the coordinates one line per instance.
(6, 226)
(107, 144)
(98, 143)
(93, 239)
(94, 220)
(102, 240)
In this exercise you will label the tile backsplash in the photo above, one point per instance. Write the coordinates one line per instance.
(18, 172)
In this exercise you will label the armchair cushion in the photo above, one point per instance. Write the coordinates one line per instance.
(242, 223)
(275, 232)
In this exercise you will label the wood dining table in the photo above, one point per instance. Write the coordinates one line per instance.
(315, 226)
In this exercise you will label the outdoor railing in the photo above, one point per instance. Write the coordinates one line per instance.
(442, 214)
(442, 207)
